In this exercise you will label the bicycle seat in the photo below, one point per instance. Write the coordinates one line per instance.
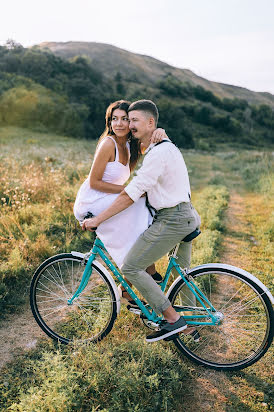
(191, 236)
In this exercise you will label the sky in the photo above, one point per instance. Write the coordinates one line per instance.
(229, 41)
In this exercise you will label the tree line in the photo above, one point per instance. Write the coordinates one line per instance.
(41, 91)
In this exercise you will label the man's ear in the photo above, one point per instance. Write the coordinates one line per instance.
(151, 122)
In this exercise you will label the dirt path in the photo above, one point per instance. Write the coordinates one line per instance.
(237, 237)
(216, 390)
(18, 332)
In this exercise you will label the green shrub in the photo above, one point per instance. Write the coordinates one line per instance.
(126, 377)
(206, 247)
(211, 204)
(39, 108)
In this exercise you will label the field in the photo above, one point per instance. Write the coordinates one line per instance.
(39, 178)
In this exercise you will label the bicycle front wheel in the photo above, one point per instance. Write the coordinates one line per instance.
(92, 314)
(245, 331)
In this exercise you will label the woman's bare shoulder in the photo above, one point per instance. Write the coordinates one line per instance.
(106, 146)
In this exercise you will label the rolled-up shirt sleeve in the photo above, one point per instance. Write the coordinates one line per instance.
(146, 177)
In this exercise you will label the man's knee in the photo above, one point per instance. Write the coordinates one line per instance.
(128, 267)
(131, 272)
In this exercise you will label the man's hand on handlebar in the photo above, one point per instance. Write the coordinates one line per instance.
(90, 224)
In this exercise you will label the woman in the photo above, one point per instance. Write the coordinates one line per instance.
(116, 156)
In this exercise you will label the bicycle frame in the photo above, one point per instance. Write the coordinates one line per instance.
(207, 319)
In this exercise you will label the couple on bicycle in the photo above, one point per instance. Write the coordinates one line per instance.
(122, 219)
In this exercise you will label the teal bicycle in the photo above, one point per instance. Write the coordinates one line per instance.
(74, 298)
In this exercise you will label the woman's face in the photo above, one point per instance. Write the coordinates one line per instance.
(120, 123)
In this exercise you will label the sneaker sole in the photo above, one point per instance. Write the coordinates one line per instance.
(172, 337)
(173, 332)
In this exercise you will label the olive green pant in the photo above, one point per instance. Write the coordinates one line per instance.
(169, 227)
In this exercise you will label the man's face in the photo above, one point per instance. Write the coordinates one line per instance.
(140, 124)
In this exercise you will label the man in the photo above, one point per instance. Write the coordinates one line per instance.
(164, 177)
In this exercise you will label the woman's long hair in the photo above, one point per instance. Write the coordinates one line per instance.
(135, 148)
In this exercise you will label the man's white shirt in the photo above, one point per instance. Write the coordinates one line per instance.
(163, 175)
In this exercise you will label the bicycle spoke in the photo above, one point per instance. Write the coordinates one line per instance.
(49, 300)
(238, 303)
(183, 302)
(72, 277)
(246, 305)
(53, 310)
(232, 297)
(56, 284)
(243, 326)
(47, 289)
(57, 274)
(89, 316)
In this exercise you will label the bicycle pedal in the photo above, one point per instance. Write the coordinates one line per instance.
(134, 310)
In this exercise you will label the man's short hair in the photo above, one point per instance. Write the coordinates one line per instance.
(145, 106)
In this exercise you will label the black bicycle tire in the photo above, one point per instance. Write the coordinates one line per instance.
(237, 365)
(38, 317)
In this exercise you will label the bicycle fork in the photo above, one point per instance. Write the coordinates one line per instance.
(85, 278)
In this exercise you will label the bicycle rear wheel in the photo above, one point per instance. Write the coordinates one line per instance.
(246, 329)
(92, 314)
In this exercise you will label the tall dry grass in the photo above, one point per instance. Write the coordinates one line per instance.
(38, 185)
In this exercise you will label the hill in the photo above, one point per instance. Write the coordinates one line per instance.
(110, 59)
(44, 92)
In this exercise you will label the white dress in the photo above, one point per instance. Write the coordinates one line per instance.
(120, 232)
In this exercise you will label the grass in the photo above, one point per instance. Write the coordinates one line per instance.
(39, 178)
(114, 377)
(122, 373)
(260, 218)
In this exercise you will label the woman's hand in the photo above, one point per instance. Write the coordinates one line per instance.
(158, 135)
(90, 224)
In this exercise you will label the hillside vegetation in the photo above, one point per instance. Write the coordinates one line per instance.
(147, 70)
(46, 93)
